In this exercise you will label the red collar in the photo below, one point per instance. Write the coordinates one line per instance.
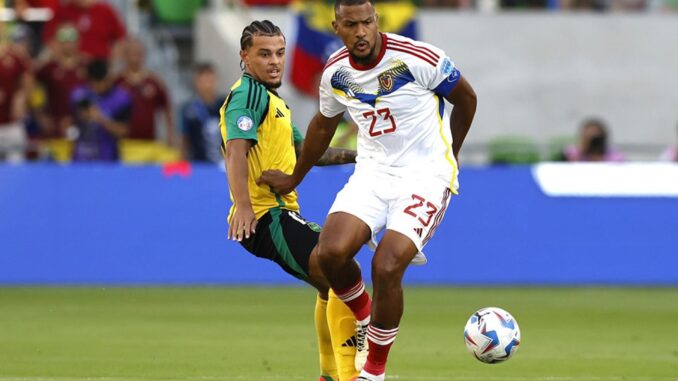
(358, 66)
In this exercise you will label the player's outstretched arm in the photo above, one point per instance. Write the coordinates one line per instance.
(464, 100)
(318, 137)
(333, 156)
(243, 222)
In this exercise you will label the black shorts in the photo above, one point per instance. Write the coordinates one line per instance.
(285, 238)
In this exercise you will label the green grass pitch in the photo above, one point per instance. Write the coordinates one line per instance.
(265, 334)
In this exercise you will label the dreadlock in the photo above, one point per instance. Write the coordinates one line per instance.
(258, 28)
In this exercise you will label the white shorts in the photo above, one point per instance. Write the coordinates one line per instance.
(411, 205)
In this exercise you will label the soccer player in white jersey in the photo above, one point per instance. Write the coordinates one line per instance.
(394, 89)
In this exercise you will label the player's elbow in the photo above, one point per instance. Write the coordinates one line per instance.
(463, 96)
(470, 98)
(230, 153)
(236, 150)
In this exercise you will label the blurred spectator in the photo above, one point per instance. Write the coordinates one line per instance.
(102, 111)
(21, 6)
(14, 73)
(671, 153)
(31, 106)
(524, 4)
(149, 95)
(200, 118)
(592, 5)
(628, 5)
(267, 2)
(63, 73)
(98, 24)
(30, 22)
(21, 40)
(608, 5)
(593, 144)
(463, 4)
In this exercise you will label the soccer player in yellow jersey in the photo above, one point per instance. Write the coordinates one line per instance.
(258, 134)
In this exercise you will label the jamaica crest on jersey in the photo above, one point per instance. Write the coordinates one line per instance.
(396, 75)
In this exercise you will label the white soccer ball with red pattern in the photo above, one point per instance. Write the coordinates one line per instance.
(492, 335)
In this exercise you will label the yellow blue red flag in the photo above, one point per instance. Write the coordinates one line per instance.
(316, 39)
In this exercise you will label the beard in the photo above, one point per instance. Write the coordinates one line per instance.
(273, 85)
(365, 60)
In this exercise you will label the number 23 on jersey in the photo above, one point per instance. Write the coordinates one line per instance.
(381, 122)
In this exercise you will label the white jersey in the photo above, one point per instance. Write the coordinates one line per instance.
(398, 105)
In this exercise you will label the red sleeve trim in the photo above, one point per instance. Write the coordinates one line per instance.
(414, 53)
(418, 48)
(336, 59)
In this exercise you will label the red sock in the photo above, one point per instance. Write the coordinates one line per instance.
(380, 341)
(357, 299)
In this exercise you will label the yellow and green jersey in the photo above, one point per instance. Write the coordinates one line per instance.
(255, 113)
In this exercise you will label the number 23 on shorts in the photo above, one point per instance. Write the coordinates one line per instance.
(421, 209)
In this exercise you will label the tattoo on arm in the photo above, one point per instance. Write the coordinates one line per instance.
(337, 156)
(333, 156)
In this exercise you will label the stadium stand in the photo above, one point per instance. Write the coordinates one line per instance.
(171, 34)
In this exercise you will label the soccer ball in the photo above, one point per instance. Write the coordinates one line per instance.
(492, 335)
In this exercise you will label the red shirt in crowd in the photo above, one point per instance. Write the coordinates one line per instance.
(148, 96)
(51, 4)
(12, 68)
(99, 27)
(59, 82)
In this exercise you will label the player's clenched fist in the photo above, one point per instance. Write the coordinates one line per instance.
(279, 181)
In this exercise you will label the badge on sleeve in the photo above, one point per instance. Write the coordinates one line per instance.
(454, 77)
(245, 123)
(447, 67)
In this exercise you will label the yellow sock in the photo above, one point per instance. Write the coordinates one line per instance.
(328, 366)
(341, 323)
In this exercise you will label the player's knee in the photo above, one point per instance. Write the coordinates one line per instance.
(387, 268)
(333, 251)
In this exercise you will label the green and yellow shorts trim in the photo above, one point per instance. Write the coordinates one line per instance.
(286, 238)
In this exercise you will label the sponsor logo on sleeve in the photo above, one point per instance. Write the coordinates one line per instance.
(245, 123)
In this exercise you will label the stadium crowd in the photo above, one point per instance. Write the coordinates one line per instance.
(75, 86)
(489, 5)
